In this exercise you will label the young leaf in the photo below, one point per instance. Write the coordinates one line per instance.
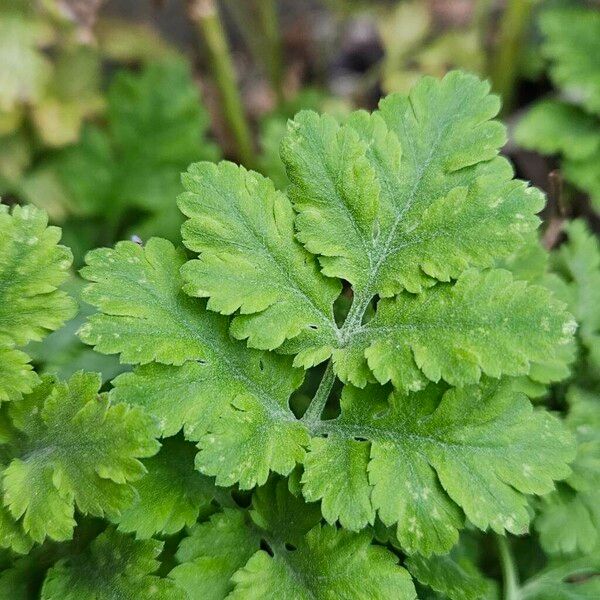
(478, 448)
(114, 567)
(406, 158)
(72, 447)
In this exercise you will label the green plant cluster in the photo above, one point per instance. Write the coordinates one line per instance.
(348, 388)
(568, 124)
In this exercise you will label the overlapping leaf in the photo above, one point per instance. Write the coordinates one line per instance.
(224, 555)
(69, 446)
(397, 200)
(170, 495)
(114, 567)
(147, 317)
(32, 266)
(416, 460)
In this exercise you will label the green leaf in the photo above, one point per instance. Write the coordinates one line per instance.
(573, 579)
(170, 495)
(578, 262)
(569, 519)
(114, 567)
(306, 561)
(555, 127)
(395, 211)
(73, 448)
(139, 291)
(455, 577)
(32, 266)
(248, 441)
(250, 259)
(573, 51)
(478, 448)
(333, 564)
(213, 552)
(457, 332)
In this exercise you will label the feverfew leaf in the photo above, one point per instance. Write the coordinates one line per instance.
(213, 552)
(247, 441)
(485, 323)
(170, 495)
(73, 448)
(569, 519)
(413, 161)
(478, 448)
(578, 262)
(573, 51)
(250, 259)
(114, 567)
(454, 576)
(333, 563)
(306, 560)
(555, 127)
(32, 266)
(139, 291)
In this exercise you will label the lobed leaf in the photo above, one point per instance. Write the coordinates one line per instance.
(72, 447)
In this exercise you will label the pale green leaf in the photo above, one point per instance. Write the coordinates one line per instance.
(250, 260)
(139, 291)
(573, 52)
(485, 323)
(414, 161)
(32, 266)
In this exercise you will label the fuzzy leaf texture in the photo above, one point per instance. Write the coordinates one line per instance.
(463, 322)
(139, 291)
(32, 266)
(306, 560)
(397, 200)
(69, 446)
(425, 459)
(114, 567)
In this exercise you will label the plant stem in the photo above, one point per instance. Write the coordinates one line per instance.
(504, 63)
(315, 409)
(267, 14)
(509, 572)
(205, 14)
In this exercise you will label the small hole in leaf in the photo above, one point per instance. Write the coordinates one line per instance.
(264, 546)
(290, 547)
